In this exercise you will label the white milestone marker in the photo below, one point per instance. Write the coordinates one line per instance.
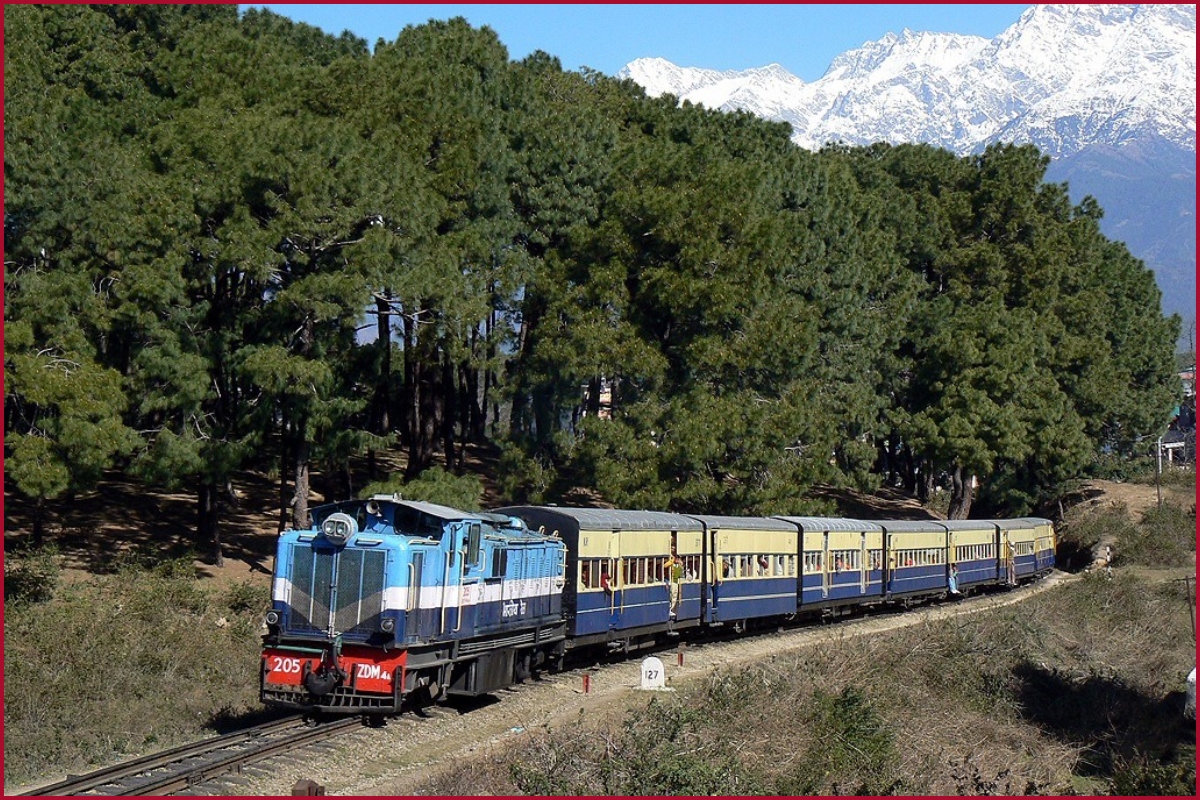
(653, 674)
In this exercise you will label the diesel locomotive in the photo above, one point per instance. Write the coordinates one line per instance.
(385, 600)
(388, 603)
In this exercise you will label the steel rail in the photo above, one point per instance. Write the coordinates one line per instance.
(195, 763)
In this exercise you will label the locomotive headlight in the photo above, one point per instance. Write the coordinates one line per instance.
(387, 625)
(338, 528)
(272, 617)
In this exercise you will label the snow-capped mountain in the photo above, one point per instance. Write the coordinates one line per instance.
(1107, 91)
(1063, 77)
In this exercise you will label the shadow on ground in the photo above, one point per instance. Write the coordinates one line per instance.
(1117, 722)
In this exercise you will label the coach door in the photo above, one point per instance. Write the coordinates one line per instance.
(889, 563)
(826, 566)
(617, 579)
(714, 566)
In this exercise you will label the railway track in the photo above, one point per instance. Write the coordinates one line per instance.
(192, 764)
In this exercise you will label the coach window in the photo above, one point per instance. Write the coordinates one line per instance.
(585, 574)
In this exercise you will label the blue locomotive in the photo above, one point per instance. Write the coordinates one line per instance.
(387, 600)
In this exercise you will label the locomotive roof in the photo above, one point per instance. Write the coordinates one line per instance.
(612, 518)
(832, 524)
(433, 509)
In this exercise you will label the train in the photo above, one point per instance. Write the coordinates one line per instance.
(386, 604)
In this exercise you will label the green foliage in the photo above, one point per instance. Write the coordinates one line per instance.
(434, 485)
(859, 756)
(672, 306)
(1164, 537)
(665, 749)
(525, 478)
(31, 576)
(1147, 776)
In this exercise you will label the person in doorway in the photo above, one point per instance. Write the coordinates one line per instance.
(674, 576)
(953, 580)
(719, 573)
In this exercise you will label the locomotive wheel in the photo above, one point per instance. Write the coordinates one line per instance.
(523, 667)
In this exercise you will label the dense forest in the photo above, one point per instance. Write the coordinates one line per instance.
(233, 242)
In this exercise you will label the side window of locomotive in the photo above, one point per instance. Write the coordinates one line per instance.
(499, 562)
(474, 538)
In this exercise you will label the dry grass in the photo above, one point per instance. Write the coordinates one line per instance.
(1056, 695)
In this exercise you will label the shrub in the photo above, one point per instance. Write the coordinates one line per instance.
(1165, 537)
(121, 664)
(31, 577)
(666, 748)
(434, 485)
(857, 753)
(1143, 775)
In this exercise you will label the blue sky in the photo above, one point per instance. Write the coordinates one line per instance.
(804, 39)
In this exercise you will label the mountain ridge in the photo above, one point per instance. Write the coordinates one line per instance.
(1108, 92)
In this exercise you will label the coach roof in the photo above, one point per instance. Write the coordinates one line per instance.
(718, 522)
(832, 524)
(613, 519)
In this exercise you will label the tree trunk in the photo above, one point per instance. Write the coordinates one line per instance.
(284, 468)
(926, 479)
(207, 521)
(962, 493)
(424, 426)
(449, 413)
(39, 521)
(384, 388)
(301, 520)
(408, 390)
(347, 480)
